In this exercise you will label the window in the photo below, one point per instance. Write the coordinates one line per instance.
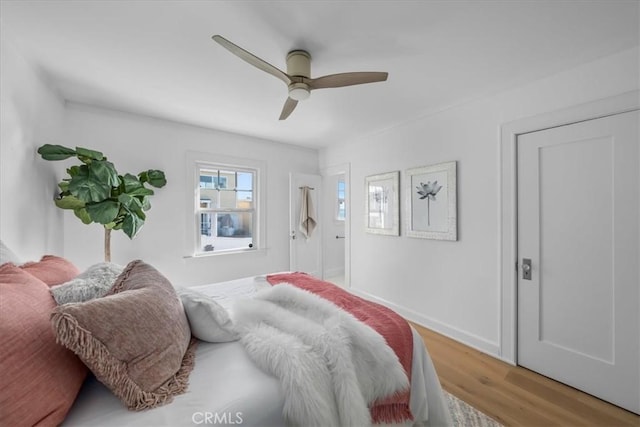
(340, 205)
(226, 208)
(213, 181)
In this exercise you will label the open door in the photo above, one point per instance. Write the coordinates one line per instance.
(335, 224)
(305, 242)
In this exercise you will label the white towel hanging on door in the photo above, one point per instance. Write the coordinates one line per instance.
(307, 214)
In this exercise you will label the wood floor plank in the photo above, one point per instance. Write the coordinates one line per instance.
(513, 395)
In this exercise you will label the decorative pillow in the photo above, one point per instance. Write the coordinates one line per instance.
(95, 282)
(7, 255)
(40, 378)
(209, 321)
(52, 270)
(136, 339)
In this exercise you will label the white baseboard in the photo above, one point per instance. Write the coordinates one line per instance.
(471, 340)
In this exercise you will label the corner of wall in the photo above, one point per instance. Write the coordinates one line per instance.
(31, 114)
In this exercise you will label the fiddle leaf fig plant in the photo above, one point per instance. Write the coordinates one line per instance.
(95, 192)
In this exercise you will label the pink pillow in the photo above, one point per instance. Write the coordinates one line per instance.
(52, 270)
(40, 377)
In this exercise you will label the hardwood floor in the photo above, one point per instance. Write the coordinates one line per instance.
(513, 395)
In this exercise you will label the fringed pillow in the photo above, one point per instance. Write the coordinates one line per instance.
(136, 339)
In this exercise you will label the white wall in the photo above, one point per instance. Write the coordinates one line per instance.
(135, 143)
(31, 114)
(454, 287)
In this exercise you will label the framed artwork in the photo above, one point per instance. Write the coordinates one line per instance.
(382, 200)
(430, 193)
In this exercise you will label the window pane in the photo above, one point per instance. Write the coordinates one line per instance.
(226, 231)
(227, 199)
(244, 199)
(245, 181)
(341, 211)
(206, 181)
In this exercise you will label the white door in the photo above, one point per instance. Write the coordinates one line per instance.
(305, 252)
(578, 224)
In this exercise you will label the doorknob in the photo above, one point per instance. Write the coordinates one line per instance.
(293, 234)
(526, 268)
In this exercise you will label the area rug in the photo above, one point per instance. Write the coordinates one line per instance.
(465, 415)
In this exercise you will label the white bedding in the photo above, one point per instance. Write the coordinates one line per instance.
(226, 388)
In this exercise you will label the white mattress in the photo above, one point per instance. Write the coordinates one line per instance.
(226, 388)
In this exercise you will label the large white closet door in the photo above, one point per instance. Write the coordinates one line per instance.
(578, 224)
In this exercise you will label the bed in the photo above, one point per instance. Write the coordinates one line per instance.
(227, 388)
(220, 383)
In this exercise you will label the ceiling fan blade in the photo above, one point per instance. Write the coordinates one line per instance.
(346, 79)
(252, 59)
(289, 106)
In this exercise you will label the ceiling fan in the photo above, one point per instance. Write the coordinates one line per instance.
(297, 78)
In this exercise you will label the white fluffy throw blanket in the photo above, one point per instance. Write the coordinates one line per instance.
(331, 366)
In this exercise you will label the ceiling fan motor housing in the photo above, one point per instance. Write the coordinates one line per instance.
(299, 65)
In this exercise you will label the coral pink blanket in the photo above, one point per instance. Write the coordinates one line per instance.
(395, 330)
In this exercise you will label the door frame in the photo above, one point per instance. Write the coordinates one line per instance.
(343, 168)
(507, 241)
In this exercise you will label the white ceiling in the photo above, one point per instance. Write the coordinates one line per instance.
(157, 57)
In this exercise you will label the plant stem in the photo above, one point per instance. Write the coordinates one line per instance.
(107, 244)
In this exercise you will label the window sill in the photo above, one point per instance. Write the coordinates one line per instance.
(205, 255)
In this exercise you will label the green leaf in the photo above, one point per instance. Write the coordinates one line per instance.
(64, 185)
(154, 177)
(105, 172)
(69, 202)
(55, 152)
(142, 191)
(131, 182)
(146, 204)
(133, 204)
(91, 154)
(132, 224)
(87, 188)
(83, 215)
(126, 199)
(74, 170)
(103, 212)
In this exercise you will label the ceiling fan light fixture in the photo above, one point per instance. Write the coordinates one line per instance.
(299, 91)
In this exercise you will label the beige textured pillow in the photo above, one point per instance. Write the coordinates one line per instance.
(136, 339)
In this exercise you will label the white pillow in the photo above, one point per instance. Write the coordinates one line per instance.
(93, 283)
(209, 321)
(7, 255)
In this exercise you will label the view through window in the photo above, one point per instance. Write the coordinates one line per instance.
(227, 210)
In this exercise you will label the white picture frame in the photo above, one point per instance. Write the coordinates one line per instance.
(382, 204)
(431, 202)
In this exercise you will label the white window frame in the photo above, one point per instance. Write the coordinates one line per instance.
(197, 161)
